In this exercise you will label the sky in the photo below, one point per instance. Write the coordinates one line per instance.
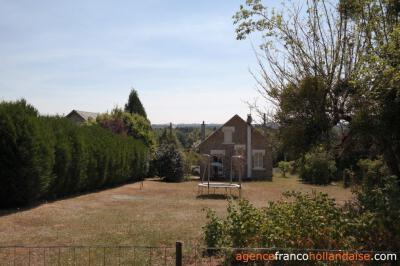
(181, 56)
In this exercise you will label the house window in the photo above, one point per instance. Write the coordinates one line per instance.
(258, 159)
(240, 150)
(228, 132)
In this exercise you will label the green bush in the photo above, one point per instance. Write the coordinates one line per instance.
(377, 209)
(48, 157)
(284, 167)
(169, 163)
(301, 221)
(318, 167)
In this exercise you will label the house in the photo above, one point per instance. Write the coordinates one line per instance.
(81, 116)
(237, 137)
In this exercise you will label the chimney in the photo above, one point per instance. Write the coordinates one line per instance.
(170, 128)
(203, 132)
(249, 119)
(264, 120)
(249, 146)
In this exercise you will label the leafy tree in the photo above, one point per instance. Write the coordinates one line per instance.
(128, 124)
(303, 112)
(352, 47)
(377, 102)
(302, 42)
(134, 105)
(169, 163)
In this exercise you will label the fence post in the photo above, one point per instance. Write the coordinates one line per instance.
(178, 253)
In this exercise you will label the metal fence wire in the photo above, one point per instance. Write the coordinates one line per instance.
(131, 255)
(86, 255)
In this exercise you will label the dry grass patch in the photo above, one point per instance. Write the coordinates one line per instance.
(159, 214)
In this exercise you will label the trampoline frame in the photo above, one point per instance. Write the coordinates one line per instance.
(218, 185)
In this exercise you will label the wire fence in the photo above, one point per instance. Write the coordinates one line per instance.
(87, 255)
(137, 255)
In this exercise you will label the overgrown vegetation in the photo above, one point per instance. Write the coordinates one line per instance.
(331, 71)
(294, 222)
(49, 157)
(315, 221)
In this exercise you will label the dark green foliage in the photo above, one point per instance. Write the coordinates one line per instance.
(302, 112)
(134, 105)
(377, 210)
(318, 167)
(48, 157)
(26, 155)
(169, 163)
(378, 224)
(168, 137)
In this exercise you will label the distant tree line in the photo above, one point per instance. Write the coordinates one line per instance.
(50, 157)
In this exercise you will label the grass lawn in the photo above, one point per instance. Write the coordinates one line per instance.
(159, 214)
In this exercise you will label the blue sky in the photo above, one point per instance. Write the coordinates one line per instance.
(182, 57)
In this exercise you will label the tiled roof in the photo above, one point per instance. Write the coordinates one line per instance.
(85, 115)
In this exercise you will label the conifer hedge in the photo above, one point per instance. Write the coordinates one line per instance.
(49, 157)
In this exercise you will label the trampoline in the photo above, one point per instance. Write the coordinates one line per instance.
(237, 163)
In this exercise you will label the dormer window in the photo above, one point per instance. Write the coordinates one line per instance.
(228, 133)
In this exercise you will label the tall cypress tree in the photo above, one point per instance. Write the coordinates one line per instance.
(134, 105)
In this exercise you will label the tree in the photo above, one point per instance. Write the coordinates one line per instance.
(134, 105)
(169, 163)
(302, 112)
(377, 102)
(352, 47)
(128, 124)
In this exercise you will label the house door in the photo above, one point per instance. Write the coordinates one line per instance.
(217, 166)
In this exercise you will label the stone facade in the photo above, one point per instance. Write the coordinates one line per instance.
(237, 137)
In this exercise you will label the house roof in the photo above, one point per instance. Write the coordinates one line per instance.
(215, 131)
(85, 115)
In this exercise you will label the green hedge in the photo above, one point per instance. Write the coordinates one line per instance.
(49, 157)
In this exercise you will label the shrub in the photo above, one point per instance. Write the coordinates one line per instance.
(318, 167)
(48, 157)
(376, 214)
(372, 172)
(284, 167)
(169, 163)
(300, 221)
